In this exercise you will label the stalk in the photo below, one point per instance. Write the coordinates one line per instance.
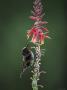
(36, 71)
(38, 33)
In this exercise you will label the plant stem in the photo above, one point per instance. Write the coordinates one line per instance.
(36, 70)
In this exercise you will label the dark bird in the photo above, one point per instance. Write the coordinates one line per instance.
(27, 58)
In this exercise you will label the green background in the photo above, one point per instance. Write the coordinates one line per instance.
(14, 23)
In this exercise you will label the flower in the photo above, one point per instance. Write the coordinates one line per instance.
(35, 18)
(36, 32)
(33, 32)
(41, 38)
(37, 35)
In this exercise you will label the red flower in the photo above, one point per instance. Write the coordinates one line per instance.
(35, 18)
(42, 22)
(45, 29)
(41, 38)
(37, 35)
(33, 32)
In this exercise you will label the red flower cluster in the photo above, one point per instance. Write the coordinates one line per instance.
(37, 31)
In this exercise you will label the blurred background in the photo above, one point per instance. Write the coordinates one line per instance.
(14, 23)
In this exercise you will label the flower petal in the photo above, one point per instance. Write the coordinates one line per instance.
(44, 29)
(41, 38)
(34, 39)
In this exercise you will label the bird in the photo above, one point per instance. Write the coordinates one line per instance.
(27, 58)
